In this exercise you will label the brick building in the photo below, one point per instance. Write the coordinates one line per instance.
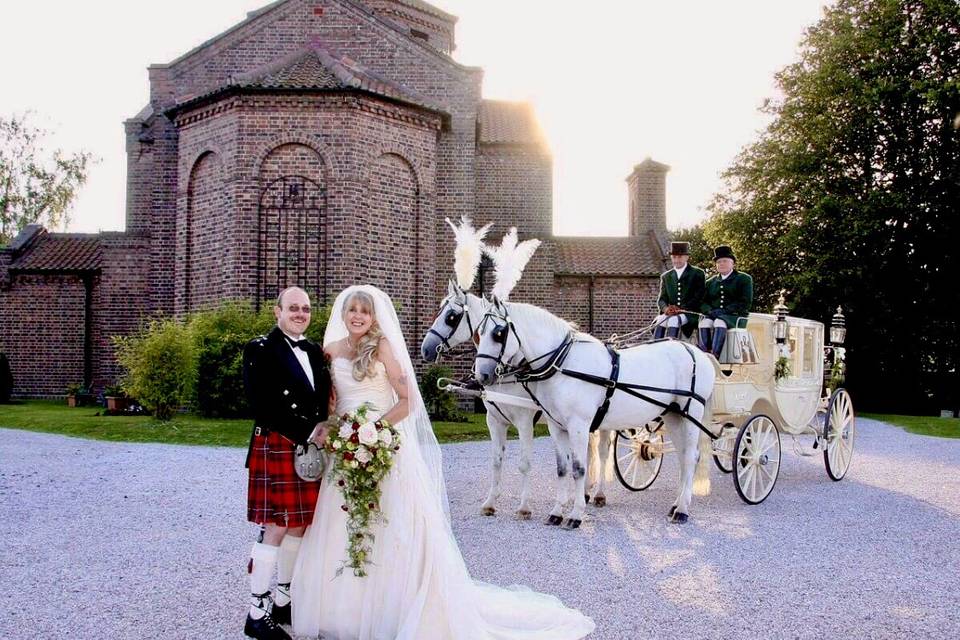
(319, 142)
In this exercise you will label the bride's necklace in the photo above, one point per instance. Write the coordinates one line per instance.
(351, 346)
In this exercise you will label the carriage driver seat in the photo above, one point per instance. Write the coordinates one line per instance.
(739, 347)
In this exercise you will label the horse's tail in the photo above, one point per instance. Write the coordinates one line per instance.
(701, 478)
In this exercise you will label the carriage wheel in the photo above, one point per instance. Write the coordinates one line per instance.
(839, 428)
(756, 459)
(638, 456)
(723, 452)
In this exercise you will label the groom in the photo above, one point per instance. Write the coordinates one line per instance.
(288, 388)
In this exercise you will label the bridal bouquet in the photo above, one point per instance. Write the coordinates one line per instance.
(362, 453)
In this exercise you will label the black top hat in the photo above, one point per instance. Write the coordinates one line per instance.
(679, 248)
(723, 251)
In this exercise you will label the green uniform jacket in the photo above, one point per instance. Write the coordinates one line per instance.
(687, 293)
(733, 297)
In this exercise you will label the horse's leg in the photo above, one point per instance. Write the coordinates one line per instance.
(593, 467)
(525, 426)
(561, 441)
(686, 443)
(579, 442)
(605, 455)
(498, 445)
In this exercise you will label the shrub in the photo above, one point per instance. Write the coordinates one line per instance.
(161, 366)
(219, 336)
(441, 405)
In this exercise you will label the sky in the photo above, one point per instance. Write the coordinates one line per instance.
(612, 82)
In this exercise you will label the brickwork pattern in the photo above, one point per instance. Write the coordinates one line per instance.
(45, 345)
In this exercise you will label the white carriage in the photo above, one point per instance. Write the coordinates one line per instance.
(775, 379)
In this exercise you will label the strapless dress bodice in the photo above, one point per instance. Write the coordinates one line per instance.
(374, 390)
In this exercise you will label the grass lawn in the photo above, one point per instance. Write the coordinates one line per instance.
(83, 422)
(923, 425)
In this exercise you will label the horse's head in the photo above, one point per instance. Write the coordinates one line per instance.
(499, 345)
(451, 327)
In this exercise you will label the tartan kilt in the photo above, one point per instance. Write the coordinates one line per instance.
(275, 493)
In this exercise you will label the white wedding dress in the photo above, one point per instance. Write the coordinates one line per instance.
(417, 587)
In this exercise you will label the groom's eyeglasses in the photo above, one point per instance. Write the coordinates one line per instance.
(295, 308)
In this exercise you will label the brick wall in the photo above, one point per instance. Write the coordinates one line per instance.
(620, 305)
(119, 306)
(41, 331)
(647, 189)
(439, 32)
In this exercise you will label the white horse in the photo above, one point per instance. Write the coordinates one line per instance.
(571, 369)
(460, 315)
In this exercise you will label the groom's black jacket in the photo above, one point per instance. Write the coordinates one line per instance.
(278, 390)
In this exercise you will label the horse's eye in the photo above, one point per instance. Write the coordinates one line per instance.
(452, 319)
(500, 334)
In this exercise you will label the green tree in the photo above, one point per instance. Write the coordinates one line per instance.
(850, 195)
(35, 186)
(701, 251)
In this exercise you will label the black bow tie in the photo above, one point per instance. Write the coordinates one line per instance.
(299, 344)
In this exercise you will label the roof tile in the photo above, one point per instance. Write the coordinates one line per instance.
(60, 252)
(622, 256)
(502, 122)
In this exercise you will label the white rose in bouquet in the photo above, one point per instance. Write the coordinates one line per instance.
(364, 456)
(368, 434)
(346, 430)
(386, 437)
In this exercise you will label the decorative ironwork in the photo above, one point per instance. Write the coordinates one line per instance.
(292, 237)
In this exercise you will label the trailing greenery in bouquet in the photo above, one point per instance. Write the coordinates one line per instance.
(362, 454)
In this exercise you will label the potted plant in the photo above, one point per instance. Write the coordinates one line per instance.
(115, 398)
(73, 391)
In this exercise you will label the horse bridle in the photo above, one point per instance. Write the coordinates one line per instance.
(501, 333)
(452, 320)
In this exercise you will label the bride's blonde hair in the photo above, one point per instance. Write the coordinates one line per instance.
(363, 364)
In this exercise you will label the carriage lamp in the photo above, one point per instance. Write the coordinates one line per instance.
(838, 328)
(780, 327)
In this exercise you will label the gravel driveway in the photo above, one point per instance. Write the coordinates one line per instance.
(104, 540)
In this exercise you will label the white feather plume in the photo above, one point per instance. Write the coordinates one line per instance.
(467, 254)
(509, 260)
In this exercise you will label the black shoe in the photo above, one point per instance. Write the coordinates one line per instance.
(266, 628)
(281, 615)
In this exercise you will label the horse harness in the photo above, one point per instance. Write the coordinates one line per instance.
(525, 372)
(453, 320)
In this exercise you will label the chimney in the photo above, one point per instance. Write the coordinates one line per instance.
(647, 193)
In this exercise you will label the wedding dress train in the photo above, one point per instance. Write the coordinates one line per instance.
(417, 587)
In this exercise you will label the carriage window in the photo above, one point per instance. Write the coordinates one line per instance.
(809, 351)
(793, 342)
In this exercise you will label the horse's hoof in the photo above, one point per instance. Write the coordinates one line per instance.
(600, 501)
(679, 517)
(523, 514)
(570, 524)
(673, 510)
(586, 498)
(488, 511)
(553, 520)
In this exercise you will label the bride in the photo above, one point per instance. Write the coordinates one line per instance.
(417, 587)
